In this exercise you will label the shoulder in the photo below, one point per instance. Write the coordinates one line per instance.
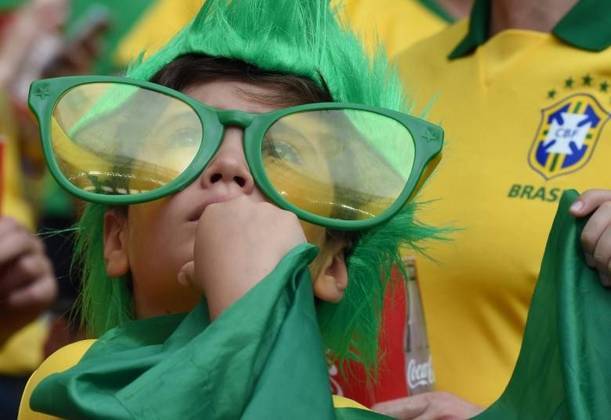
(62, 359)
(425, 70)
(396, 24)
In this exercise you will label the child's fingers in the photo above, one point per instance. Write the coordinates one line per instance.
(186, 273)
(589, 201)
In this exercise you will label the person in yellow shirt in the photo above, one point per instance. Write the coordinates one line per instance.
(523, 91)
(396, 24)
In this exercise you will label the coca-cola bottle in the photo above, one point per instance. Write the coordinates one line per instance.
(418, 367)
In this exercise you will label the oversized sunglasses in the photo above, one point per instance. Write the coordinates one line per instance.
(117, 141)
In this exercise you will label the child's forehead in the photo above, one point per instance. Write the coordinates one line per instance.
(229, 94)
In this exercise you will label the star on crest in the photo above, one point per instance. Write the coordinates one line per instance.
(568, 83)
(604, 86)
(551, 94)
(587, 80)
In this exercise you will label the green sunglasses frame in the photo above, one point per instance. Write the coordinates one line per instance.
(45, 94)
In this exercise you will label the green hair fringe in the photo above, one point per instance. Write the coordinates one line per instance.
(301, 38)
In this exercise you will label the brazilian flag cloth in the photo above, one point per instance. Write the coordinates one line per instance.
(564, 367)
(263, 357)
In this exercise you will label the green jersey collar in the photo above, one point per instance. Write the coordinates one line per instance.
(587, 26)
(437, 10)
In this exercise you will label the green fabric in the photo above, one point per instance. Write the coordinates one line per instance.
(262, 358)
(479, 27)
(586, 26)
(564, 367)
(437, 10)
(9, 5)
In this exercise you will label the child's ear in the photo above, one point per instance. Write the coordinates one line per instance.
(115, 243)
(332, 277)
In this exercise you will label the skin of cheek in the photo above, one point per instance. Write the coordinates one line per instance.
(156, 253)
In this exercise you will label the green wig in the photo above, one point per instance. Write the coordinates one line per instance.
(301, 38)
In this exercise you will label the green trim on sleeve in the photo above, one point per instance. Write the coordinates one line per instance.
(435, 8)
(586, 26)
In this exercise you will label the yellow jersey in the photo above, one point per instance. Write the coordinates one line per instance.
(395, 24)
(526, 116)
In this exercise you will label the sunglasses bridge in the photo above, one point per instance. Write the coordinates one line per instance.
(232, 117)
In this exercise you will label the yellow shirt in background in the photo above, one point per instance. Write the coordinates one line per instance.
(526, 117)
(396, 24)
(22, 353)
(13, 203)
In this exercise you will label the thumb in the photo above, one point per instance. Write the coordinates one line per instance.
(185, 274)
(589, 201)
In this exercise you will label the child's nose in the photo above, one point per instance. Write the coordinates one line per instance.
(229, 164)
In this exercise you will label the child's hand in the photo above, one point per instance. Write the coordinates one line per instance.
(27, 282)
(596, 235)
(238, 242)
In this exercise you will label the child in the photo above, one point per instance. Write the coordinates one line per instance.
(197, 182)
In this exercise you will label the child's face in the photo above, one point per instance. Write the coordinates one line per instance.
(157, 239)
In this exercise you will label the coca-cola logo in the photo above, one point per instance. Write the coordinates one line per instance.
(419, 374)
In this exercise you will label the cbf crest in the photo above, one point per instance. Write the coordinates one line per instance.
(567, 135)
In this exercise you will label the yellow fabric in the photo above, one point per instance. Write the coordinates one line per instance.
(13, 204)
(343, 402)
(70, 355)
(494, 105)
(59, 361)
(22, 353)
(397, 24)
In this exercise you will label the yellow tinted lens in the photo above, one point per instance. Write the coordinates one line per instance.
(344, 164)
(112, 138)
